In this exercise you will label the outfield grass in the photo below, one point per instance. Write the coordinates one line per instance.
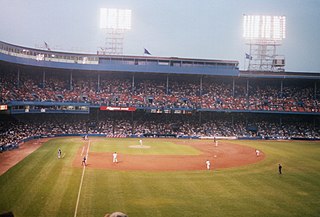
(42, 185)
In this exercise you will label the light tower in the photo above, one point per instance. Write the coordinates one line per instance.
(116, 22)
(264, 34)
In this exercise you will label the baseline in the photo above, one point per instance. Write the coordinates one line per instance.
(80, 187)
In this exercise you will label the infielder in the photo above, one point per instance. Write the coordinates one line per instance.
(208, 164)
(215, 141)
(84, 161)
(115, 157)
(257, 152)
(59, 153)
(141, 142)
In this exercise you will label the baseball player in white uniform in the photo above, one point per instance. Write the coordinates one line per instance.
(208, 164)
(257, 152)
(115, 157)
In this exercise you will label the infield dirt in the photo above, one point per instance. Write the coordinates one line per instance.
(224, 155)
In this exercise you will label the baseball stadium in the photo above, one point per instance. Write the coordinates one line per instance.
(109, 134)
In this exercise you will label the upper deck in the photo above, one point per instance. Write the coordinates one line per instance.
(116, 63)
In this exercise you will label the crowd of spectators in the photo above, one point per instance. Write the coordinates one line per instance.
(12, 131)
(146, 92)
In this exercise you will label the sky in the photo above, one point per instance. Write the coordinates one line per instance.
(210, 29)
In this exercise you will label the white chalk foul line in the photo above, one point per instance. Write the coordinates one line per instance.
(82, 151)
(83, 170)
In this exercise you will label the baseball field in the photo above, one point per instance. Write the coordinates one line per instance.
(162, 177)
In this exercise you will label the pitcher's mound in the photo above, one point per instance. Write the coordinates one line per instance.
(139, 146)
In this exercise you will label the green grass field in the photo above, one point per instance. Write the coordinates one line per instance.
(42, 185)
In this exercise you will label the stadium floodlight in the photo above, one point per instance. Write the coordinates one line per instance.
(264, 34)
(116, 22)
(111, 18)
(258, 27)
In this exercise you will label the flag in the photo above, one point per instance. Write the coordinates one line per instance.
(46, 45)
(248, 56)
(146, 52)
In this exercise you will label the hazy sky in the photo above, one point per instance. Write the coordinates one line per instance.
(181, 28)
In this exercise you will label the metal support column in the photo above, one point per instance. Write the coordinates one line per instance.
(70, 84)
(18, 78)
(132, 89)
(233, 84)
(247, 93)
(167, 90)
(281, 89)
(43, 79)
(315, 90)
(201, 86)
(98, 88)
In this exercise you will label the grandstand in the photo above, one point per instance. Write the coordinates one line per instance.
(47, 93)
